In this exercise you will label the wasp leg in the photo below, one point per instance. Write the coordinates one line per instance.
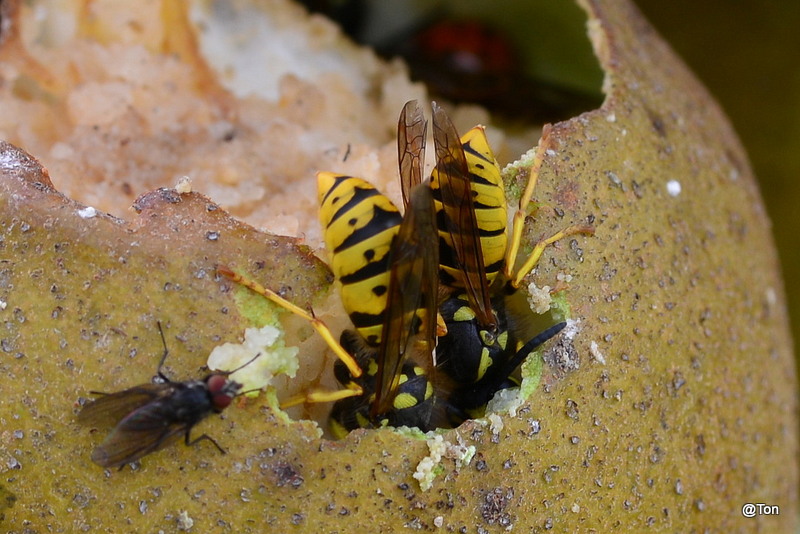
(519, 217)
(318, 325)
(441, 326)
(518, 224)
(324, 395)
(533, 259)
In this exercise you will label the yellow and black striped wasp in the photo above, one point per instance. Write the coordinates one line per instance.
(387, 265)
(488, 323)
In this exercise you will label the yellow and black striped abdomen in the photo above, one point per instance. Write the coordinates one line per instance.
(358, 225)
(489, 202)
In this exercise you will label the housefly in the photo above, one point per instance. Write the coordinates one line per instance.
(148, 417)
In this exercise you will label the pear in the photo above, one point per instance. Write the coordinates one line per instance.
(671, 405)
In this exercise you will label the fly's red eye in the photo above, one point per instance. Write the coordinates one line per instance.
(221, 394)
(221, 401)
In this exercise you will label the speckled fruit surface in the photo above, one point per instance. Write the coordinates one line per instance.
(682, 409)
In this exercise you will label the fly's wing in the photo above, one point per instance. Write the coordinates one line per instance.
(412, 129)
(108, 409)
(454, 184)
(410, 316)
(141, 432)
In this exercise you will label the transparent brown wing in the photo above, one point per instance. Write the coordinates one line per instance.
(110, 408)
(410, 320)
(142, 431)
(412, 130)
(126, 444)
(462, 225)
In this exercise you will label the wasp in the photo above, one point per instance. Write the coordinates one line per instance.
(489, 326)
(446, 257)
(150, 416)
(387, 265)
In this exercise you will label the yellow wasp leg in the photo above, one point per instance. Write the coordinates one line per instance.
(519, 220)
(441, 326)
(519, 217)
(319, 326)
(530, 263)
(324, 395)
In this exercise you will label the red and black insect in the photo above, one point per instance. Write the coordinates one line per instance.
(150, 416)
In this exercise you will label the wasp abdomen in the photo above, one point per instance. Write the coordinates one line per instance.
(359, 224)
(488, 203)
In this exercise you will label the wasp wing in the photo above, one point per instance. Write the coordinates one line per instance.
(410, 315)
(462, 225)
(412, 129)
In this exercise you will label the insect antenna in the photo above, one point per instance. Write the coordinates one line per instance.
(245, 364)
(521, 354)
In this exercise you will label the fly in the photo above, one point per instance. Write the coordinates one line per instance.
(148, 417)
